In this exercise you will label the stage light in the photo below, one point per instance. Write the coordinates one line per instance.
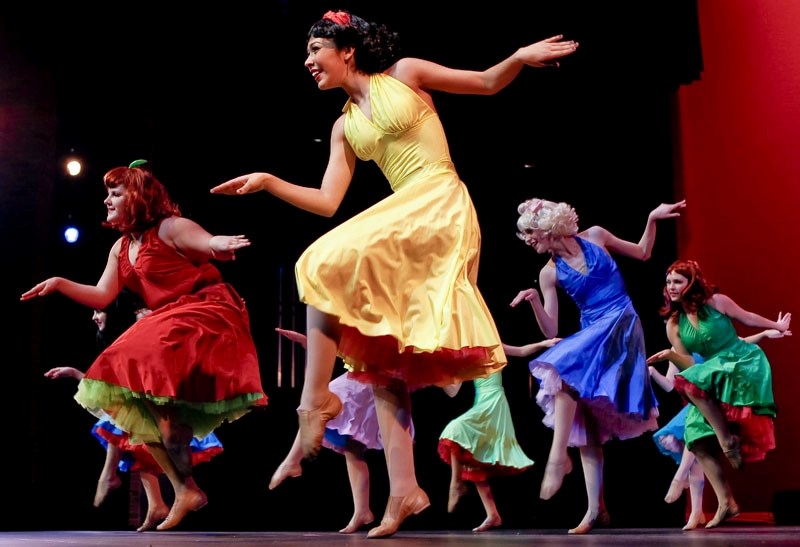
(71, 234)
(74, 167)
(73, 164)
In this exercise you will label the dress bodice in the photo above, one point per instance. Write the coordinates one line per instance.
(405, 136)
(714, 333)
(161, 274)
(598, 290)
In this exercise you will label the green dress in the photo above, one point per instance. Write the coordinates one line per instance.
(483, 438)
(735, 373)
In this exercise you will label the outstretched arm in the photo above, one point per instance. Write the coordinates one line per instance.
(324, 200)
(420, 74)
(195, 242)
(529, 349)
(767, 333)
(292, 335)
(64, 372)
(94, 296)
(725, 304)
(643, 249)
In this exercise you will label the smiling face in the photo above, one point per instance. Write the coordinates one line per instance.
(115, 205)
(676, 285)
(540, 240)
(326, 63)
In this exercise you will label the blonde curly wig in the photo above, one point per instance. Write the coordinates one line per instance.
(556, 219)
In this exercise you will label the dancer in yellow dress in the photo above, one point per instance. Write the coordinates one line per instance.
(393, 289)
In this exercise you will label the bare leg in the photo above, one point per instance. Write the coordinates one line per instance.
(493, 519)
(729, 442)
(317, 403)
(109, 480)
(596, 513)
(457, 486)
(157, 510)
(680, 481)
(175, 459)
(393, 407)
(697, 481)
(358, 473)
(175, 437)
(708, 454)
(290, 466)
(559, 463)
(188, 496)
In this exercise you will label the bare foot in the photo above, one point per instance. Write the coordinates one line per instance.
(104, 487)
(600, 520)
(456, 493)
(723, 513)
(283, 472)
(554, 473)
(154, 516)
(676, 488)
(491, 522)
(192, 500)
(357, 522)
(695, 521)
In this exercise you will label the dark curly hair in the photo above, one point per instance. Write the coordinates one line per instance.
(696, 293)
(148, 201)
(376, 47)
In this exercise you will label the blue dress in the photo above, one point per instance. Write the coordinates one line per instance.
(604, 363)
(669, 439)
(137, 457)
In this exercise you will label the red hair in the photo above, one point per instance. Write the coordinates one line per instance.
(147, 200)
(696, 293)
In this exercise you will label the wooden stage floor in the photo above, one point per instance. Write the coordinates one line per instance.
(730, 535)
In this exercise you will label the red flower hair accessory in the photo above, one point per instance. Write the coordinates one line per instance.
(338, 17)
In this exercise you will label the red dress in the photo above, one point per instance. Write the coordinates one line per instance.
(194, 352)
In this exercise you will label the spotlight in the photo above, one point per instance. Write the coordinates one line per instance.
(71, 234)
(73, 165)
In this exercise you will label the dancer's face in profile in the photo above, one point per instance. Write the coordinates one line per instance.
(327, 64)
(539, 240)
(99, 318)
(114, 202)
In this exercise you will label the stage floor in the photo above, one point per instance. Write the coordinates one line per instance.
(764, 536)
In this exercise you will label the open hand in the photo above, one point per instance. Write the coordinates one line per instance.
(223, 247)
(668, 210)
(545, 52)
(41, 289)
(784, 319)
(527, 294)
(662, 355)
(244, 184)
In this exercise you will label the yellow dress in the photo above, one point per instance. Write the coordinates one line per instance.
(401, 276)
